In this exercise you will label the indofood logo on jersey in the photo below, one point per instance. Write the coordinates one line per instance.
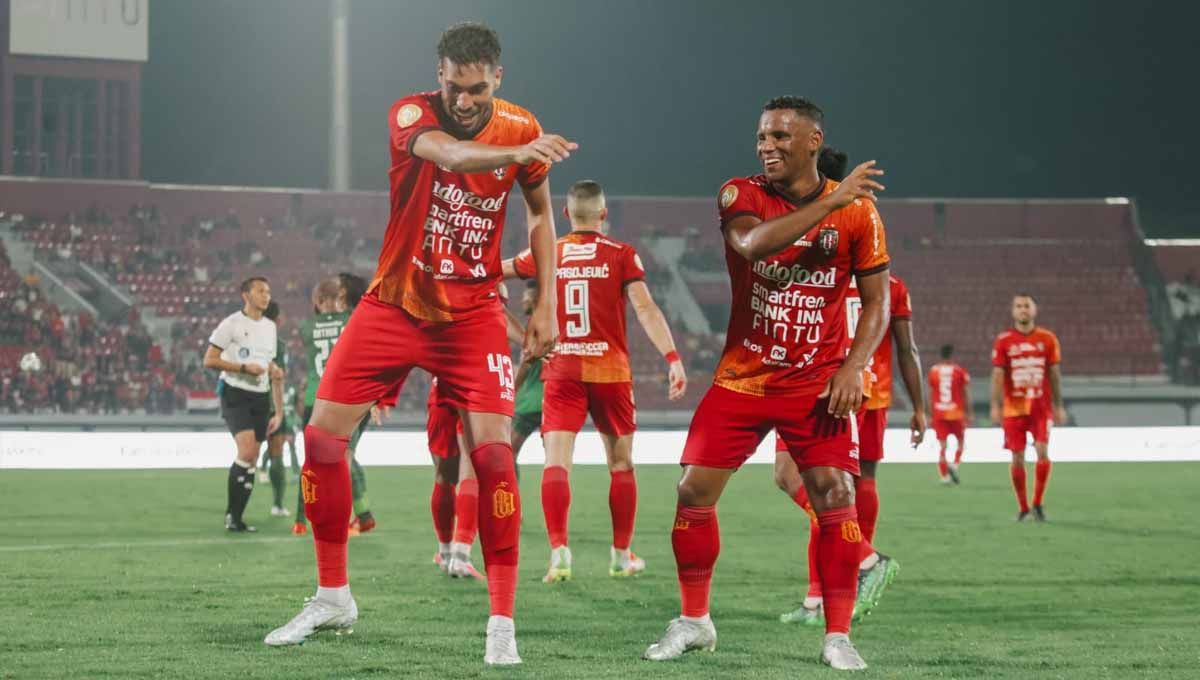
(787, 276)
(453, 195)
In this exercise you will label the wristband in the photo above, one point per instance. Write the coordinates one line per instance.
(671, 356)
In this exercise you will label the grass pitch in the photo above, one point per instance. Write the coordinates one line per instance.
(129, 575)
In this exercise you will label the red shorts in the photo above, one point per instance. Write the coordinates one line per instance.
(944, 428)
(443, 426)
(1016, 427)
(382, 343)
(872, 423)
(567, 403)
(728, 427)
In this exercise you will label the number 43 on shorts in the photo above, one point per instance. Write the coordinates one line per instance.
(502, 366)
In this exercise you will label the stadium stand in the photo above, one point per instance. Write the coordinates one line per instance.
(180, 252)
(1179, 263)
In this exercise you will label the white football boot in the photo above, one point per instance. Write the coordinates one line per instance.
(682, 636)
(317, 615)
(501, 646)
(839, 653)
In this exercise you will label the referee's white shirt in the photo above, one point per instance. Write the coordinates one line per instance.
(243, 340)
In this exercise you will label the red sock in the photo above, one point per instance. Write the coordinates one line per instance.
(958, 453)
(1017, 472)
(814, 532)
(839, 551)
(499, 522)
(1041, 477)
(466, 512)
(696, 540)
(441, 505)
(622, 505)
(556, 503)
(943, 468)
(325, 485)
(867, 503)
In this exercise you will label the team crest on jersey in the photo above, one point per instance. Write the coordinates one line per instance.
(575, 252)
(728, 195)
(499, 173)
(407, 115)
(827, 241)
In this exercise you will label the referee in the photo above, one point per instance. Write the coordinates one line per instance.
(243, 348)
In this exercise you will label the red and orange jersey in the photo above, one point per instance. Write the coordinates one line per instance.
(1025, 359)
(592, 273)
(788, 331)
(441, 252)
(948, 390)
(879, 388)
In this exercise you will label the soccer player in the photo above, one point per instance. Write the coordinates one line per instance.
(273, 457)
(527, 411)
(353, 288)
(319, 334)
(456, 154)
(589, 371)
(243, 348)
(1027, 395)
(952, 410)
(876, 571)
(793, 241)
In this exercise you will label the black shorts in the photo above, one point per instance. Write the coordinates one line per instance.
(245, 410)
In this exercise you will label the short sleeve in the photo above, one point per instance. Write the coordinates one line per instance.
(222, 336)
(868, 245)
(631, 267)
(901, 300)
(737, 198)
(966, 377)
(524, 264)
(531, 175)
(999, 360)
(1055, 354)
(408, 119)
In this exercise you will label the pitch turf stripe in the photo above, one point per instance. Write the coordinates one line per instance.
(144, 544)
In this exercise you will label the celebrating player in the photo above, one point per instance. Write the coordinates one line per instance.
(1027, 394)
(589, 371)
(243, 347)
(952, 410)
(456, 153)
(793, 241)
(876, 570)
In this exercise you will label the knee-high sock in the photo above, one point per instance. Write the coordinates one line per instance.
(466, 512)
(943, 468)
(441, 506)
(358, 488)
(1041, 478)
(278, 481)
(838, 554)
(866, 500)
(958, 452)
(325, 483)
(1017, 472)
(239, 487)
(814, 534)
(556, 503)
(622, 505)
(696, 540)
(499, 522)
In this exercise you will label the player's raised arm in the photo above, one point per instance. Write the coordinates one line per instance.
(845, 389)
(755, 239)
(542, 331)
(655, 324)
(465, 156)
(910, 370)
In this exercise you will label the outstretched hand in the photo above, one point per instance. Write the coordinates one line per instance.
(546, 149)
(858, 184)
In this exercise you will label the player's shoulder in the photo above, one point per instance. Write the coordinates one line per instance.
(740, 187)
(411, 108)
(1047, 333)
(233, 318)
(1006, 336)
(514, 120)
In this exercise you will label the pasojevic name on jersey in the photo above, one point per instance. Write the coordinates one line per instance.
(585, 272)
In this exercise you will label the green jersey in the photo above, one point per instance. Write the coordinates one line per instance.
(319, 335)
(281, 360)
(529, 397)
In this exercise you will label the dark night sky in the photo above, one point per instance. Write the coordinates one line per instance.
(955, 98)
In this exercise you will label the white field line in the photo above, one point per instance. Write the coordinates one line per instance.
(178, 543)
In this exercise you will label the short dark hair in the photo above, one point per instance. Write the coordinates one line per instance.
(1028, 295)
(585, 189)
(249, 283)
(800, 105)
(469, 42)
(947, 351)
(356, 287)
(272, 311)
(832, 163)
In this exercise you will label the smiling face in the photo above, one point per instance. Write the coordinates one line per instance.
(467, 92)
(788, 144)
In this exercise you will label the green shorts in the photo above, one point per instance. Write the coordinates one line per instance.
(525, 424)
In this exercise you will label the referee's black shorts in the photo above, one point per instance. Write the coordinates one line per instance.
(245, 410)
